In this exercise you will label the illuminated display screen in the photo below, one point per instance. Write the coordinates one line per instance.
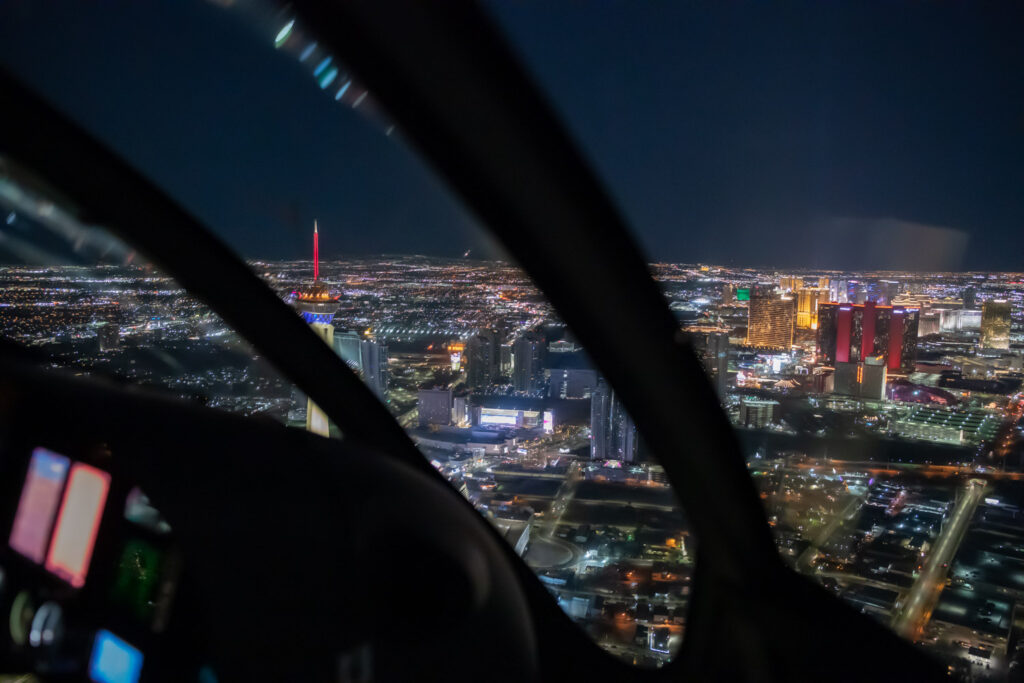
(113, 660)
(77, 523)
(498, 420)
(549, 421)
(38, 505)
(743, 294)
(138, 574)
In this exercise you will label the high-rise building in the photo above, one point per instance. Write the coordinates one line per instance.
(482, 357)
(506, 362)
(970, 297)
(995, 324)
(854, 332)
(823, 283)
(884, 291)
(864, 379)
(613, 435)
(528, 353)
(347, 344)
(962, 320)
(374, 359)
(455, 351)
(756, 412)
(317, 307)
(807, 301)
(791, 283)
(572, 382)
(460, 408)
(367, 357)
(434, 406)
(839, 290)
(109, 335)
(770, 322)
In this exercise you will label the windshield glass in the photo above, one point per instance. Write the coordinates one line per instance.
(295, 166)
(830, 198)
(835, 190)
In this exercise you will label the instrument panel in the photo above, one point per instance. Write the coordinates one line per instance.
(91, 583)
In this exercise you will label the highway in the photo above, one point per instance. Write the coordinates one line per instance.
(910, 619)
(895, 469)
(563, 497)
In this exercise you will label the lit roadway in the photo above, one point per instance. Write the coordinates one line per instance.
(916, 610)
(895, 469)
(564, 496)
(837, 521)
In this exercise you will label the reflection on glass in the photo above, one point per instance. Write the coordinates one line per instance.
(137, 509)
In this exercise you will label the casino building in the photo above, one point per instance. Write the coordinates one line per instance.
(855, 332)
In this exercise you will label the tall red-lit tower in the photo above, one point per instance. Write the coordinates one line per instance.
(317, 307)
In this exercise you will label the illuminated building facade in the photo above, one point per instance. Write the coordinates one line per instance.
(374, 358)
(455, 351)
(791, 283)
(855, 332)
(995, 325)
(807, 301)
(757, 413)
(613, 435)
(770, 322)
(839, 290)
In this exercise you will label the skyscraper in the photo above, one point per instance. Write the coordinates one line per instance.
(850, 333)
(374, 359)
(347, 344)
(839, 291)
(969, 296)
(368, 357)
(317, 307)
(528, 357)
(995, 324)
(482, 356)
(770, 322)
(613, 435)
(807, 307)
(109, 335)
(791, 283)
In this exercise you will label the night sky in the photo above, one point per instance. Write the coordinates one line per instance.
(825, 135)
